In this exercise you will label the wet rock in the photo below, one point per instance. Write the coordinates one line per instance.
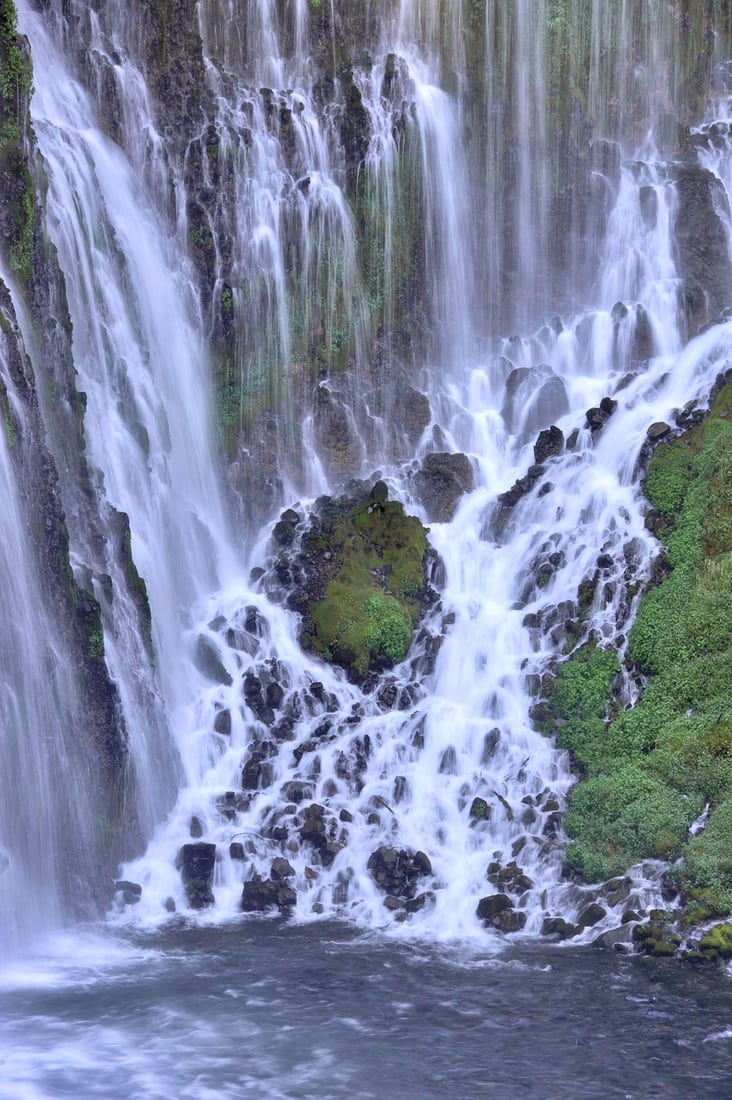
(259, 895)
(440, 483)
(257, 772)
(497, 911)
(195, 828)
(480, 810)
(131, 891)
(648, 205)
(558, 926)
(521, 487)
(281, 869)
(209, 662)
(284, 532)
(700, 242)
(314, 831)
(592, 914)
(511, 877)
(236, 851)
(657, 431)
(597, 417)
(413, 413)
(222, 722)
(274, 696)
(297, 790)
(196, 865)
(396, 870)
(549, 443)
(617, 890)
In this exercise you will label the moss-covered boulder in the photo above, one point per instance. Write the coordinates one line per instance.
(358, 578)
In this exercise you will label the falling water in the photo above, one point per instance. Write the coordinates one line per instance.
(48, 805)
(239, 254)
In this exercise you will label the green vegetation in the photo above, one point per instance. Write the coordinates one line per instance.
(648, 772)
(15, 88)
(370, 582)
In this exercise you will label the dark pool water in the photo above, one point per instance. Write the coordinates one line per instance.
(263, 1009)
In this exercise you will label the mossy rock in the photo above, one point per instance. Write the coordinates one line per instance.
(360, 582)
(717, 942)
(648, 772)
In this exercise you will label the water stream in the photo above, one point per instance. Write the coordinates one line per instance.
(235, 733)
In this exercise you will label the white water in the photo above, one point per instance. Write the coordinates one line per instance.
(141, 356)
(48, 805)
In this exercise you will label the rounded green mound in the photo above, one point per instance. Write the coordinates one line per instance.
(363, 581)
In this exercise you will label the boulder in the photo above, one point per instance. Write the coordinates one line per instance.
(259, 895)
(196, 865)
(440, 483)
(549, 443)
(359, 580)
(396, 870)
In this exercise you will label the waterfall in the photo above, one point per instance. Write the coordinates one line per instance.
(482, 214)
(49, 808)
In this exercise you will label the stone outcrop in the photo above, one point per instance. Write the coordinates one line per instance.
(357, 573)
(440, 483)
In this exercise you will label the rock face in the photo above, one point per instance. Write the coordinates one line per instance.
(357, 574)
(196, 865)
(443, 479)
(700, 243)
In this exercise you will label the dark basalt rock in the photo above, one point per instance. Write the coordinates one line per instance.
(440, 483)
(597, 417)
(549, 443)
(558, 926)
(196, 865)
(521, 487)
(131, 891)
(396, 870)
(700, 242)
(658, 430)
(480, 810)
(320, 834)
(591, 915)
(497, 911)
(259, 895)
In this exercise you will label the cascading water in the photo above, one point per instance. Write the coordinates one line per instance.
(48, 802)
(297, 777)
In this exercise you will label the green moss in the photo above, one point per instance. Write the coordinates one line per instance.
(15, 89)
(718, 940)
(649, 771)
(626, 815)
(372, 576)
(579, 700)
